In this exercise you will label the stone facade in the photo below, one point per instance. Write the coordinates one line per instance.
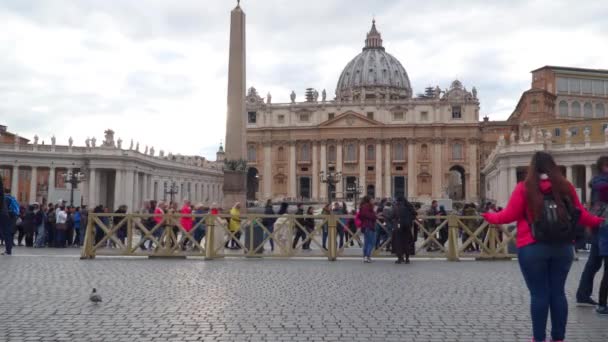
(374, 132)
(113, 175)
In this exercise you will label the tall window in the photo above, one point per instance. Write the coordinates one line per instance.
(370, 155)
(557, 132)
(599, 110)
(576, 108)
(588, 109)
(575, 86)
(331, 154)
(351, 153)
(399, 152)
(534, 106)
(370, 115)
(304, 117)
(456, 112)
(563, 108)
(281, 118)
(562, 85)
(457, 151)
(281, 154)
(305, 152)
(424, 152)
(398, 116)
(252, 117)
(331, 116)
(586, 86)
(598, 87)
(251, 157)
(424, 116)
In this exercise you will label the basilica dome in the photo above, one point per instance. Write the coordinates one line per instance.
(373, 73)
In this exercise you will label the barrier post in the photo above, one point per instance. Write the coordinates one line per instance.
(129, 218)
(453, 238)
(87, 250)
(332, 239)
(209, 252)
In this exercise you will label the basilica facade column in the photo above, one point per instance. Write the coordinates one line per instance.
(323, 192)
(34, 185)
(51, 182)
(92, 199)
(315, 170)
(378, 169)
(472, 192)
(15, 182)
(339, 186)
(412, 180)
(387, 169)
(588, 176)
(437, 169)
(292, 171)
(267, 171)
(362, 180)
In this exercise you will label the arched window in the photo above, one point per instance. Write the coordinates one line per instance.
(251, 157)
(370, 154)
(305, 152)
(576, 108)
(399, 152)
(281, 154)
(563, 108)
(351, 153)
(588, 110)
(424, 152)
(457, 151)
(331, 154)
(599, 110)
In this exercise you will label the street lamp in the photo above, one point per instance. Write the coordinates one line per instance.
(73, 178)
(331, 179)
(171, 190)
(354, 189)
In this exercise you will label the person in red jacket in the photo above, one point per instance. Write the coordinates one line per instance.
(368, 227)
(544, 265)
(186, 221)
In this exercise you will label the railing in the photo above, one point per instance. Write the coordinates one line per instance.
(252, 235)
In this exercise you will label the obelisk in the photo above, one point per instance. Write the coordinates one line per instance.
(235, 178)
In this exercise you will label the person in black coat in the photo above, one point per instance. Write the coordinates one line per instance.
(5, 222)
(403, 241)
(268, 222)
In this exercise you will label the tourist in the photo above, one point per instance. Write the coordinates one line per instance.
(340, 223)
(352, 229)
(550, 201)
(309, 224)
(472, 224)
(78, 231)
(431, 226)
(368, 222)
(39, 221)
(599, 202)
(199, 223)
(325, 212)
(84, 221)
(186, 222)
(235, 227)
(268, 223)
(159, 219)
(443, 231)
(6, 219)
(61, 227)
(51, 221)
(381, 235)
(121, 233)
(299, 224)
(402, 218)
(389, 220)
(28, 226)
(99, 232)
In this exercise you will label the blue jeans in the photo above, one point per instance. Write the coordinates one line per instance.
(593, 265)
(369, 236)
(545, 268)
(40, 238)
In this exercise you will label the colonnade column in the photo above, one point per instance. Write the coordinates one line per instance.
(33, 185)
(267, 171)
(136, 200)
(387, 169)
(378, 170)
(15, 182)
(569, 173)
(129, 195)
(92, 199)
(315, 170)
(412, 192)
(512, 179)
(292, 171)
(49, 194)
(588, 176)
(339, 186)
(323, 186)
(118, 189)
(362, 168)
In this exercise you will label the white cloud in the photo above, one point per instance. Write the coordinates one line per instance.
(155, 70)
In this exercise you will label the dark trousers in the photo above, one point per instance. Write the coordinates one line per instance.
(300, 234)
(8, 234)
(593, 265)
(77, 237)
(604, 284)
(325, 236)
(545, 268)
(60, 238)
(20, 235)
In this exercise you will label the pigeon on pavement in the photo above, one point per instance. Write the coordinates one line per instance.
(95, 297)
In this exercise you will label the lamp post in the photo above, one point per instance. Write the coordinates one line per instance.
(171, 190)
(73, 178)
(331, 179)
(355, 189)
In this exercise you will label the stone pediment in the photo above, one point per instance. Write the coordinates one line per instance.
(350, 119)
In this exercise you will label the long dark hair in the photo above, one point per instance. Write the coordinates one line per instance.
(543, 163)
(364, 201)
(283, 208)
(601, 162)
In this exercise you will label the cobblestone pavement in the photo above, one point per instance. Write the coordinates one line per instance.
(44, 297)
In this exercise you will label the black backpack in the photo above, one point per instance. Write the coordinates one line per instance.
(550, 228)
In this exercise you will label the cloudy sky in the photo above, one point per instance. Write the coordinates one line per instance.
(155, 70)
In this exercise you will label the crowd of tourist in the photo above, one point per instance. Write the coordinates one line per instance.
(545, 207)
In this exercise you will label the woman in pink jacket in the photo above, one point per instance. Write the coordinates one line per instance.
(545, 264)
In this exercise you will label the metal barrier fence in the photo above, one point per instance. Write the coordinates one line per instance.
(253, 235)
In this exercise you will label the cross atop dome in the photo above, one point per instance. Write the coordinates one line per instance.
(374, 39)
